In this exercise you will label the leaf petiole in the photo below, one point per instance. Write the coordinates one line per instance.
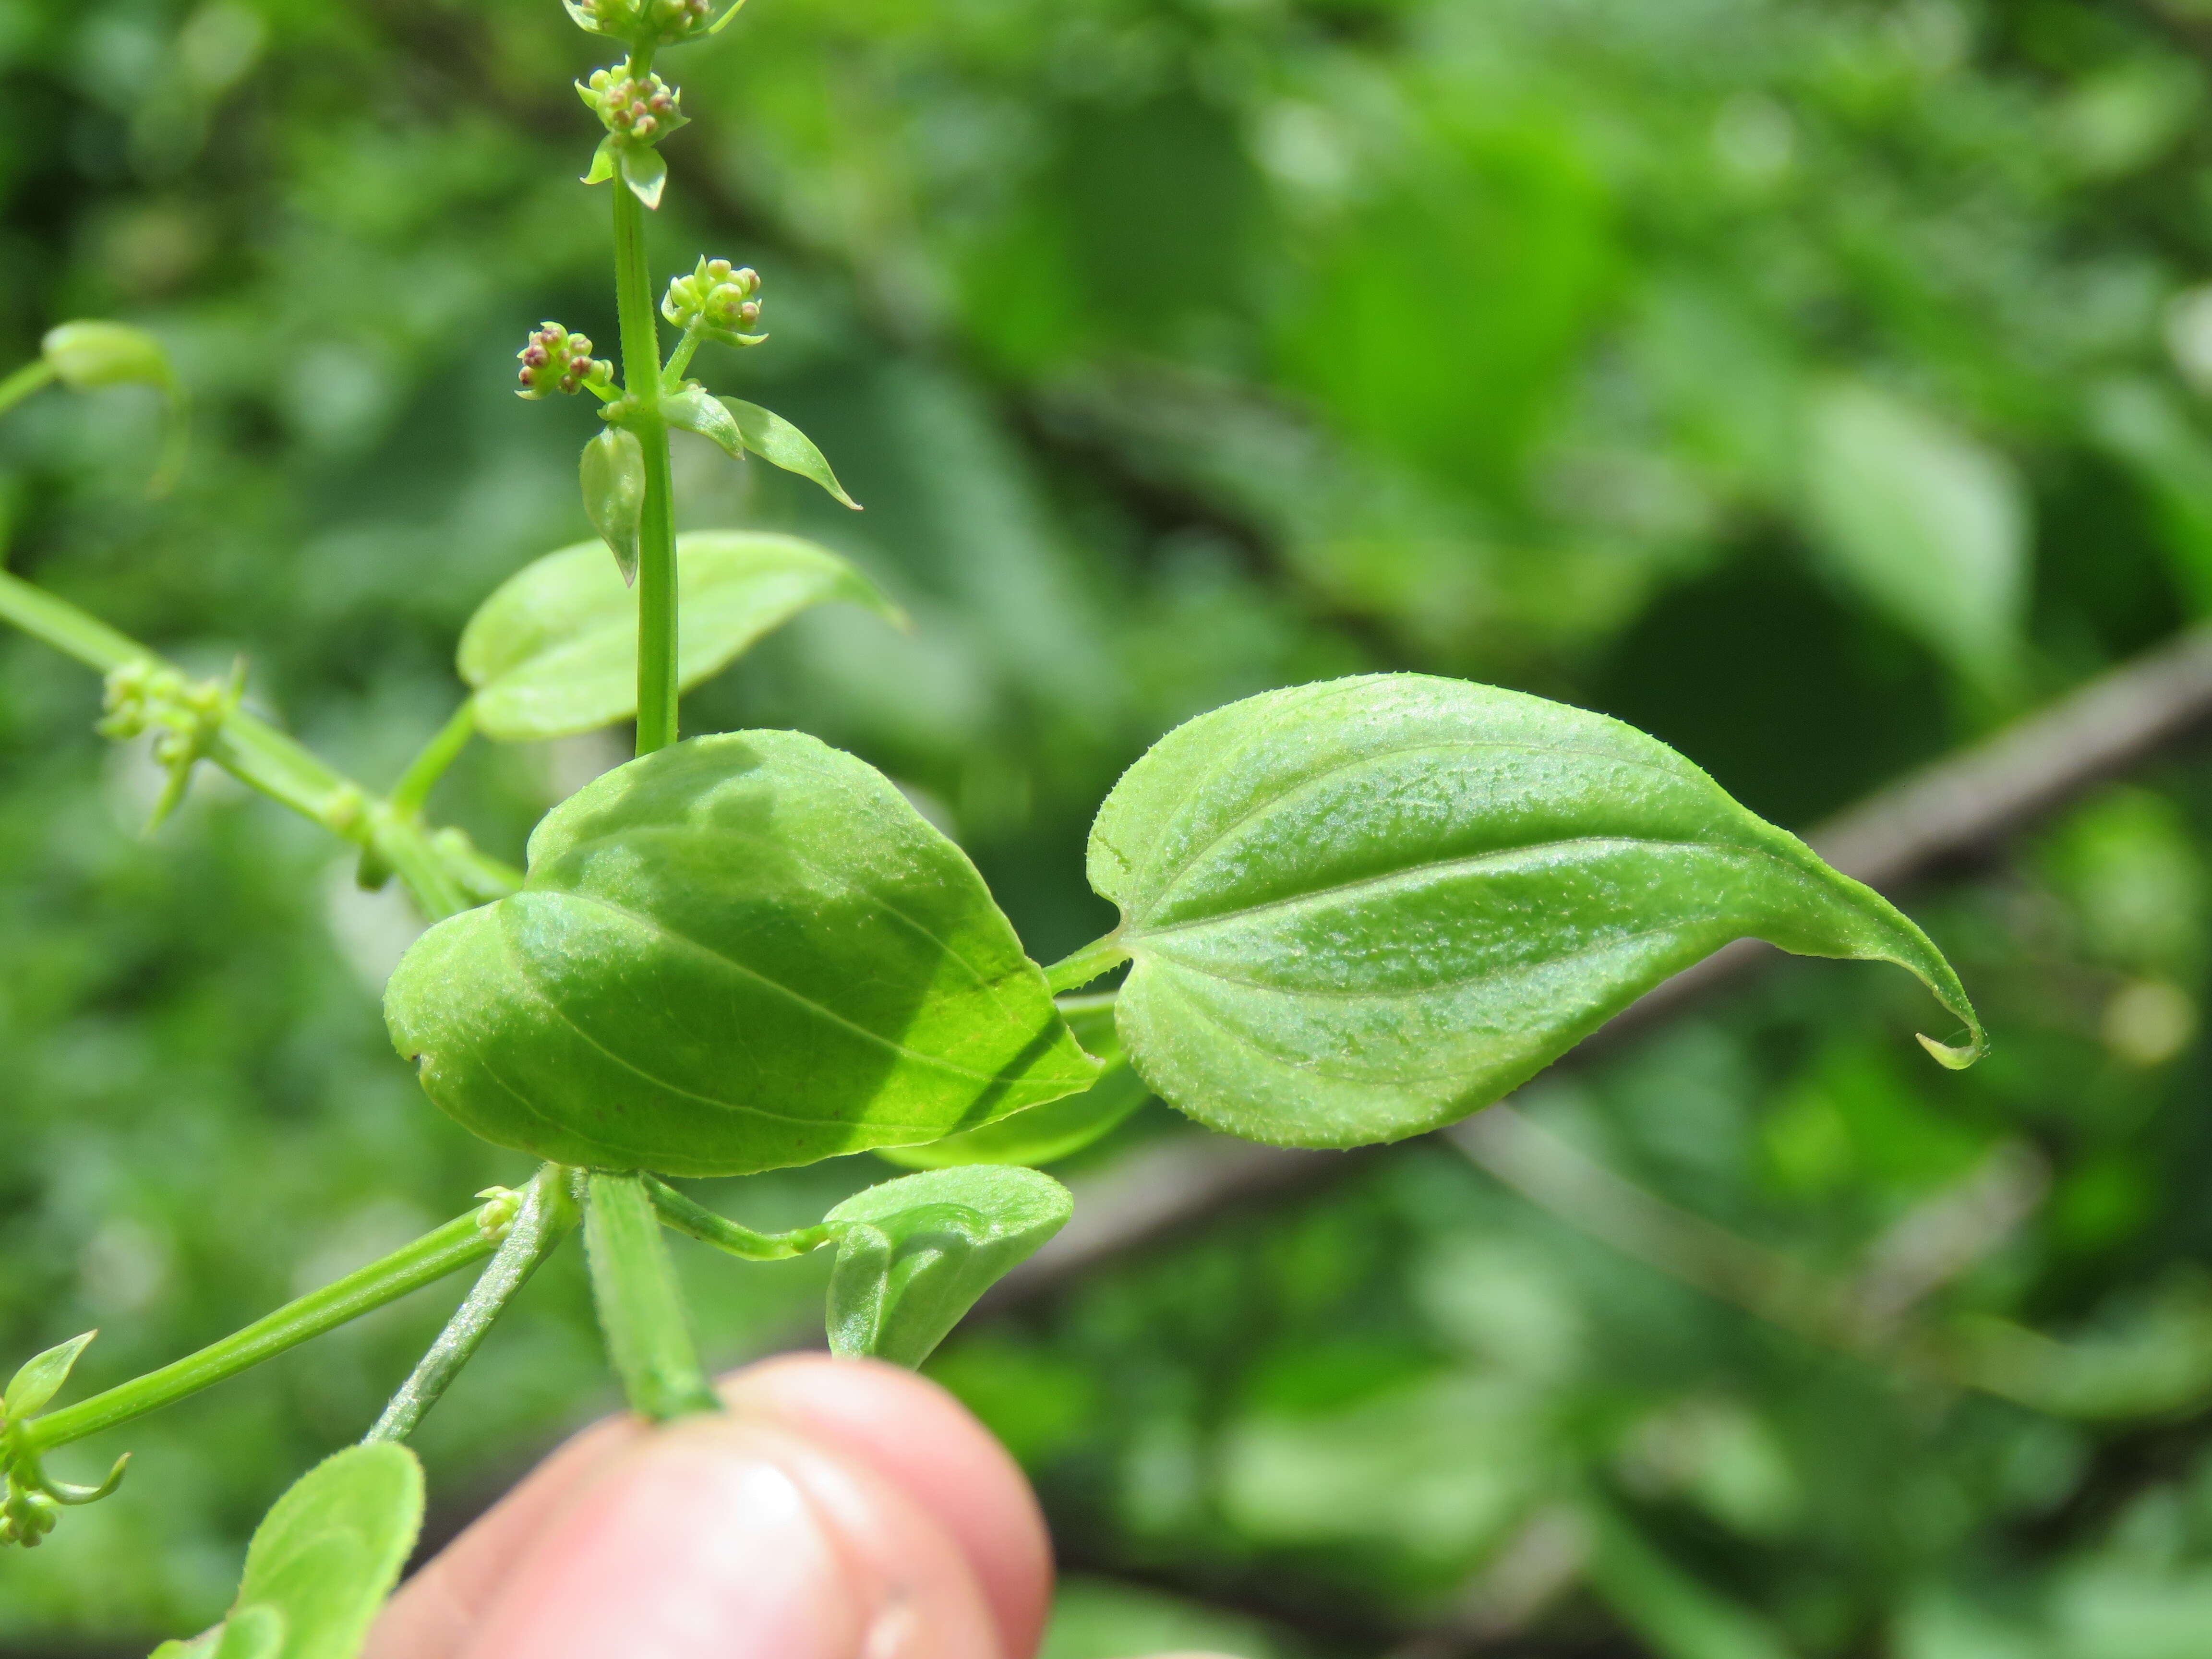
(696, 1221)
(1100, 957)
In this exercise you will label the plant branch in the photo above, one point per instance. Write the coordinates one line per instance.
(546, 1215)
(442, 869)
(429, 1259)
(641, 1312)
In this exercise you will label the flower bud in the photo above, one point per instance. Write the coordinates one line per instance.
(554, 360)
(85, 355)
(648, 22)
(636, 111)
(720, 302)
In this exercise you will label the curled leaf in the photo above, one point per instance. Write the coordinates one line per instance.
(613, 476)
(693, 410)
(914, 1254)
(1359, 910)
(643, 171)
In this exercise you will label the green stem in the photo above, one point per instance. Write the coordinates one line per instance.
(1086, 965)
(672, 377)
(429, 1259)
(424, 772)
(641, 1312)
(32, 376)
(656, 550)
(438, 869)
(545, 1219)
(696, 1221)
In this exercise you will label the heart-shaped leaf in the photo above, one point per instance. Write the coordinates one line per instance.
(1360, 909)
(741, 952)
(1058, 1129)
(913, 1254)
(40, 1377)
(554, 650)
(322, 1561)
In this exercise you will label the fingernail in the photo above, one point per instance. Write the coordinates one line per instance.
(701, 1546)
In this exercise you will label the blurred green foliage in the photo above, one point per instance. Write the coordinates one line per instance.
(1814, 385)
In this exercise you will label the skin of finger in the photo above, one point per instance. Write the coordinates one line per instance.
(926, 1441)
(439, 1605)
(910, 1430)
(724, 1538)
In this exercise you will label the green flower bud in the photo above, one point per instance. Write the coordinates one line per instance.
(86, 355)
(185, 717)
(722, 303)
(634, 112)
(649, 22)
(554, 360)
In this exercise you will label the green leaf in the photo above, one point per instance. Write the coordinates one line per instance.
(40, 1377)
(778, 442)
(1058, 1129)
(693, 410)
(612, 473)
(738, 953)
(322, 1561)
(554, 650)
(1930, 526)
(602, 163)
(913, 1254)
(1360, 909)
(643, 171)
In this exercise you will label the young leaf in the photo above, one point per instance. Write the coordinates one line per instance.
(554, 650)
(1059, 1129)
(738, 953)
(913, 1254)
(41, 1376)
(778, 442)
(643, 171)
(1360, 909)
(693, 410)
(612, 472)
(602, 163)
(322, 1561)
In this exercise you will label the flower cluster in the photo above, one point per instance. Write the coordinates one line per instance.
(636, 112)
(720, 302)
(554, 360)
(656, 22)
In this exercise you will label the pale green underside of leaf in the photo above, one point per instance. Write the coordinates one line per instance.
(322, 1561)
(554, 650)
(1059, 1128)
(1361, 909)
(743, 953)
(914, 1254)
